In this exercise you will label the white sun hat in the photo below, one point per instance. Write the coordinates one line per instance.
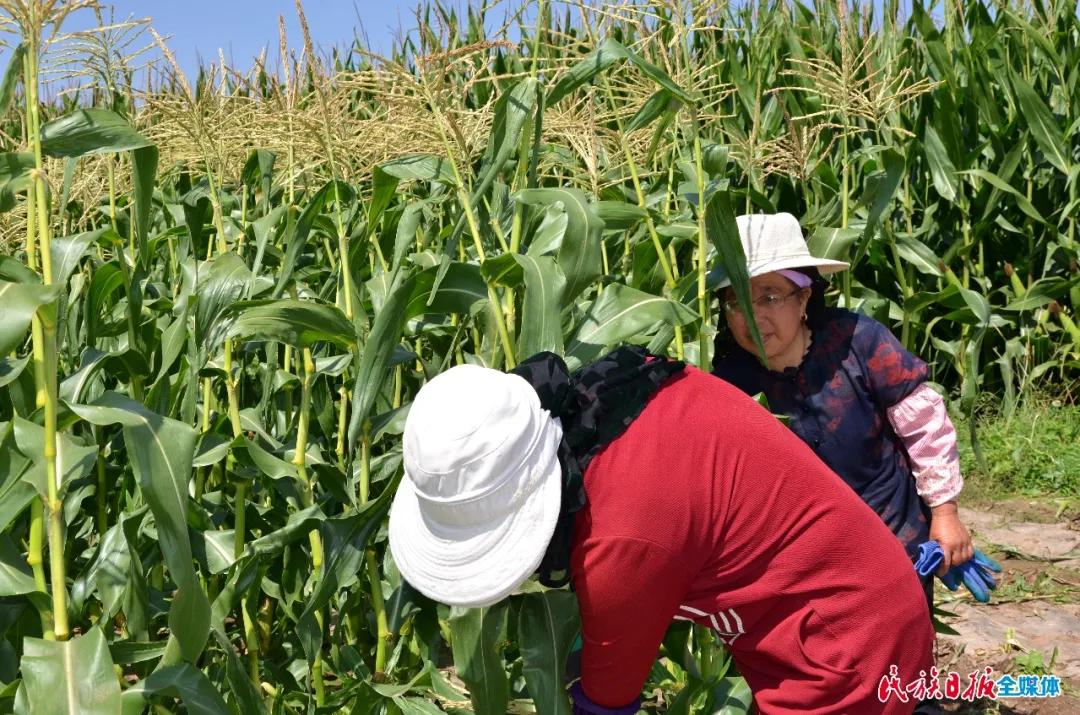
(774, 242)
(482, 490)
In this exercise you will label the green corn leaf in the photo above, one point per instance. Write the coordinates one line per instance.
(75, 460)
(122, 364)
(979, 305)
(222, 281)
(541, 316)
(12, 76)
(681, 704)
(264, 229)
(619, 314)
(942, 171)
(73, 677)
(512, 113)
(420, 167)
(345, 540)
(107, 280)
(244, 575)
(935, 46)
(417, 706)
(215, 547)
(579, 253)
(918, 254)
(11, 368)
(109, 572)
(68, 251)
(1037, 36)
(246, 693)
(585, 70)
(1039, 294)
(475, 633)
(619, 215)
(404, 602)
(300, 323)
(302, 229)
(161, 451)
(131, 652)
(832, 243)
(731, 696)
(503, 270)
(603, 57)
(184, 682)
(461, 291)
(189, 619)
(722, 230)
(383, 186)
(656, 105)
(548, 623)
(144, 163)
(15, 493)
(14, 177)
(1044, 129)
(408, 224)
(881, 188)
(295, 528)
(260, 168)
(90, 131)
(998, 183)
(386, 331)
(15, 576)
(549, 234)
(21, 301)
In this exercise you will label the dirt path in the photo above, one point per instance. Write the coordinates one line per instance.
(1032, 624)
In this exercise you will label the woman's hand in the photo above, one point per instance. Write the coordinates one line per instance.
(947, 529)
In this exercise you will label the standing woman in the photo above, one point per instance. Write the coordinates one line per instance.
(849, 388)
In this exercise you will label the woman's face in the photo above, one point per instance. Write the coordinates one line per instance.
(779, 306)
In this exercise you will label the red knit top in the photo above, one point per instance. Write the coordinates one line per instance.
(708, 509)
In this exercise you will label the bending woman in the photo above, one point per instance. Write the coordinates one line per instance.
(668, 494)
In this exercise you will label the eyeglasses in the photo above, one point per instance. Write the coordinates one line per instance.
(762, 304)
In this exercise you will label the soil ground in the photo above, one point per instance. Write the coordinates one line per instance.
(1032, 624)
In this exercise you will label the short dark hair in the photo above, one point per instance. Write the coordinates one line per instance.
(815, 315)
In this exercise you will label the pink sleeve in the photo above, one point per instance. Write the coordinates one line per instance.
(923, 425)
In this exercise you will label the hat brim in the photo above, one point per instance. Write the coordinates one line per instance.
(477, 567)
(825, 266)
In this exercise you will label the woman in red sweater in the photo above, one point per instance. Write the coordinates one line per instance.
(667, 494)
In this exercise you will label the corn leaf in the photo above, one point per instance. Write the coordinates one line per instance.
(942, 171)
(1044, 129)
(90, 131)
(21, 301)
(548, 623)
(541, 315)
(723, 232)
(579, 253)
(300, 323)
(619, 314)
(72, 677)
(475, 633)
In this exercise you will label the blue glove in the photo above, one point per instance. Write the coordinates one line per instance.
(584, 706)
(976, 575)
(930, 558)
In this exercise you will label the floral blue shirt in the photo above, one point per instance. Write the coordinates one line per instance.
(836, 399)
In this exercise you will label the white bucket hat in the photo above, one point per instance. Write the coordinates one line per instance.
(474, 515)
(773, 242)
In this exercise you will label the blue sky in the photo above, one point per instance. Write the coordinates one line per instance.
(243, 27)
